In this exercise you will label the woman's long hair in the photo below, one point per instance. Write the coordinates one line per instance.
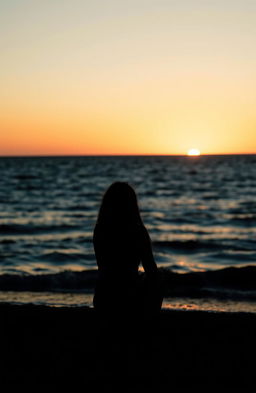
(119, 206)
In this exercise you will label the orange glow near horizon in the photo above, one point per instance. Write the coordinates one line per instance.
(91, 78)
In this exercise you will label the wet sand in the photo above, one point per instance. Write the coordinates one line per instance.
(51, 349)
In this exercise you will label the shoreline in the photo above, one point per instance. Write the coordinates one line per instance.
(49, 346)
(184, 304)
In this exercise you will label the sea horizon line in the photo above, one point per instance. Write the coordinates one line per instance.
(122, 155)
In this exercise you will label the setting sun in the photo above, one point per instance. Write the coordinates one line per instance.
(193, 152)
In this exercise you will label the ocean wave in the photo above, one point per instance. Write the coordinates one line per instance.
(231, 282)
(21, 229)
(228, 283)
(232, 256)
(26, 177)
(196, 245)
(62, 257)
(184, 245)
(67, 280)
(7, 241)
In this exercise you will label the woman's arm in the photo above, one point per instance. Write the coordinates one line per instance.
(147, 258)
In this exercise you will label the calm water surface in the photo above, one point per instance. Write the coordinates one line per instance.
(200, 211)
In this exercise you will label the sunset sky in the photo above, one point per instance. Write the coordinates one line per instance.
(127, 77)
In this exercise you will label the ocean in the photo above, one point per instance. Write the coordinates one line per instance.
(200, 213)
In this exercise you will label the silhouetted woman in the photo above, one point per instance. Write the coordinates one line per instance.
(121, 243)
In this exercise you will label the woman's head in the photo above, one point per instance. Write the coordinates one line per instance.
(119, 204)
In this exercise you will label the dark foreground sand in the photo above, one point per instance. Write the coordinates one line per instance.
(67, 349)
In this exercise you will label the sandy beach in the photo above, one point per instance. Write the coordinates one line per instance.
(56, 348)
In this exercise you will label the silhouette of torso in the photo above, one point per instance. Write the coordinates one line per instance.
(122, 249)
(119, 251)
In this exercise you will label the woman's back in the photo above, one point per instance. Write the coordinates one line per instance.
(121, 243)
(120, 248)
